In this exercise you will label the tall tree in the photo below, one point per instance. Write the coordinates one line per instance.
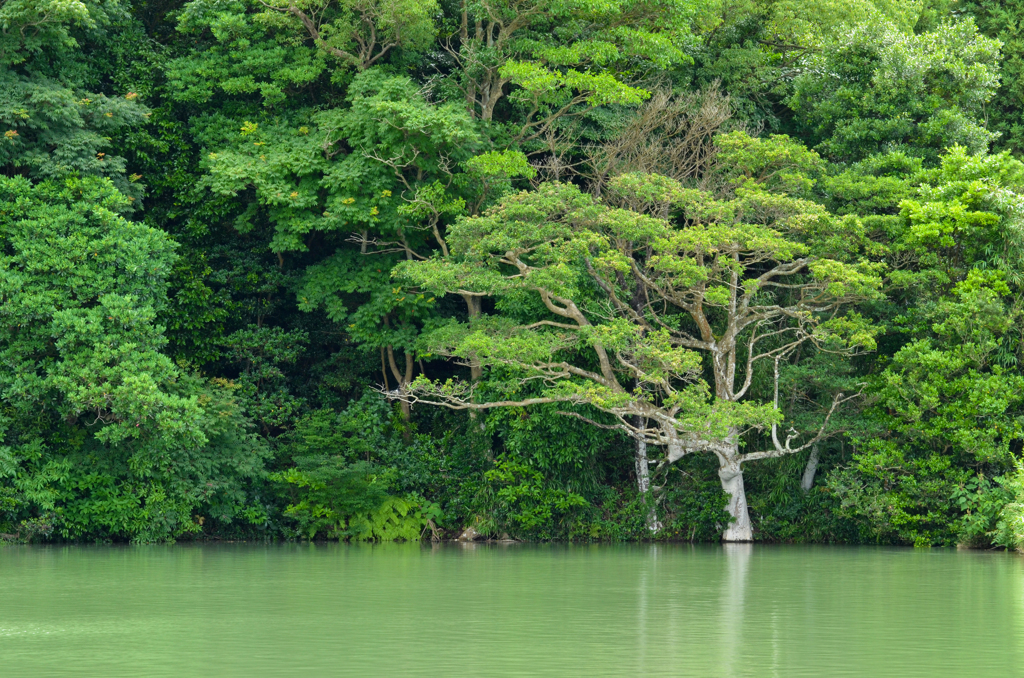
(561, 58)
(55, 117)
(737, 281)
(102, 434)
(882, 89)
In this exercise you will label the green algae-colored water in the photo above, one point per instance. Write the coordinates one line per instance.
(491, 610)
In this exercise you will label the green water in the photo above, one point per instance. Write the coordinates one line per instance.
(487, 610)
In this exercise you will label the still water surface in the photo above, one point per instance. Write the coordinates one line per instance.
(486, 610)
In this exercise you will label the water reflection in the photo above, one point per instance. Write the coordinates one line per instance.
(646, 574)
(486, 610)
(734, 586)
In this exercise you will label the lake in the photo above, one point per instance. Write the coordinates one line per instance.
(509, 610)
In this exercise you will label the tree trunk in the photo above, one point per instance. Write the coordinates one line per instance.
(731, 474)
(403, 380)
(474, 306)
(807, 481)
(643, 481)
(476, 372)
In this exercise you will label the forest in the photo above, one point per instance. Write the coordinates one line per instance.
(576, 270)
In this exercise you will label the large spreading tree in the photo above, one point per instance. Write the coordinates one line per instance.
(660, 311)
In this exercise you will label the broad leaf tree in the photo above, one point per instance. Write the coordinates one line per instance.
(882, 89)
(53, 119)
(661, 311)
(554, 58)
(100, 432)
(947, 414)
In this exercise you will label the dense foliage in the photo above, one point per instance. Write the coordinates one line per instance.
(546, 269)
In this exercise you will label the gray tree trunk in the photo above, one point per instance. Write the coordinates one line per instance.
(807, 481)
(731, 475)
(643, 480)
